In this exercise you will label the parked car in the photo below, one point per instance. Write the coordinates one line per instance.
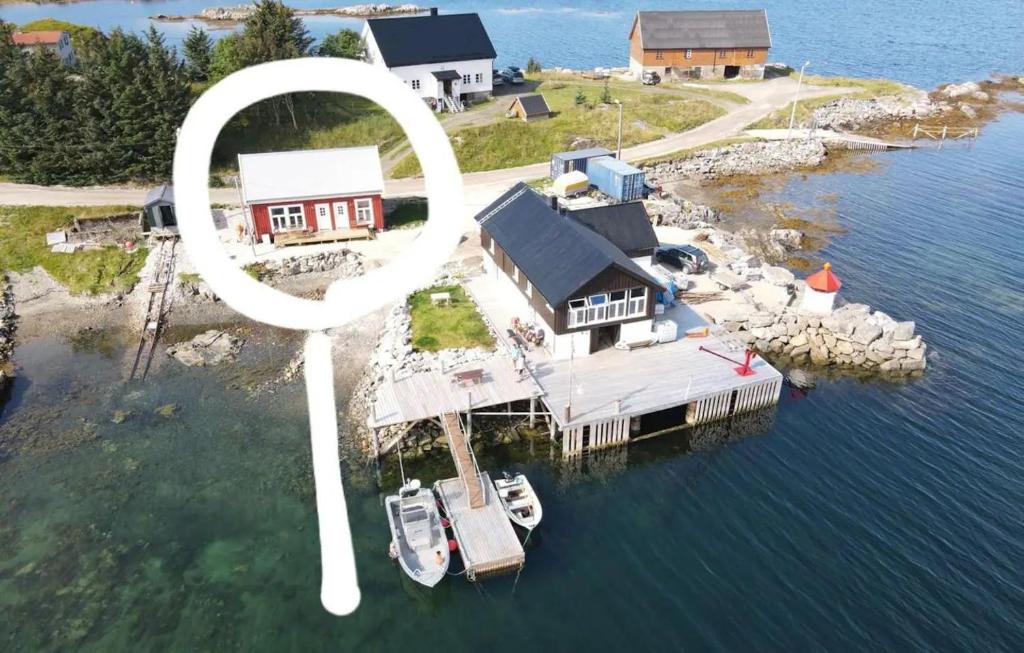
(689, 259)
(513, 75)
(496, 78)
(650, 78)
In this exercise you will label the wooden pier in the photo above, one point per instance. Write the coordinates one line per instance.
(488, 545)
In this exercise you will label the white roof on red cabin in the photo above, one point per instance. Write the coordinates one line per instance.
(310, 174)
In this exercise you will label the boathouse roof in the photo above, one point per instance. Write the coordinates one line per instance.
(308, 174)
(433, 38)
(556, 253)
(42, 37)
(674, 30)
(627, 226)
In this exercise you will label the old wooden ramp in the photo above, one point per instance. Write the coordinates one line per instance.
(156, 309)
(465, 461)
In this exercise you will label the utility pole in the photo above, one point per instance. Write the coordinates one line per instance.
(618, 149)
(796, 96)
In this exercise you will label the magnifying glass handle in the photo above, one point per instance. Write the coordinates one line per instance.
(339, 591)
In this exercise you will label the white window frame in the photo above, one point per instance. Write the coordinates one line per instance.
(515, 273)
(491, 247)
(479, 78)
(688, 54)
(364, 211)
(283, 222)
(415, 84)
(529, 288)
(466, 79)
(600, 307)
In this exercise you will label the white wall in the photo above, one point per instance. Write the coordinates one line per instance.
(817, 302)
(430, 87)
(634, 331)
(570, 345)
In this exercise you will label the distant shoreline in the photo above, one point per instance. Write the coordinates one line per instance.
(223, 17)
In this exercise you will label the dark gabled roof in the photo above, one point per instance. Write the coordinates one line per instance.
(627, 226)
(534, 105)
(164, 193)
(411, 40)
(556, 253)
(672, 30)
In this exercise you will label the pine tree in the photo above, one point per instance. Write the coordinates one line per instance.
(581, 98)
(272, 33)
(198, 54)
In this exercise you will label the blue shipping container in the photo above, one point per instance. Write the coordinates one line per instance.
(616, 179)
(564, 162)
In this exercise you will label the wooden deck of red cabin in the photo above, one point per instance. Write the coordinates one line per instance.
(319, 237)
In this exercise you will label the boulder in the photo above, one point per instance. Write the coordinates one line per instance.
(789, 239)
(778, 276)
(904, 330)
(866, 333)
(209, 348)
(960, 90)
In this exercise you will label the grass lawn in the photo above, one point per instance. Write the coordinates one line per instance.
(409, 214)
(437, 327)
(866, 88)
(23, 246)
(508, 143)
(325, 120)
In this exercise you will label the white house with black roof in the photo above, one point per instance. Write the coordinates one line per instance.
(448, 59)
(565, 277)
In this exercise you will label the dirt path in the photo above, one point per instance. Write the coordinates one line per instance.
(765, 97)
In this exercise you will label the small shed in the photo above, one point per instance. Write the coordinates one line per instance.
(564, 162)
(617, 179)
(571, 183)
(159, 207)
(820, 293)
(530, 107)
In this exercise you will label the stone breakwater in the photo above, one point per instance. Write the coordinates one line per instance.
(239, 13)
(7, 327)
(850, 336)
(682, 213)
(756, 158)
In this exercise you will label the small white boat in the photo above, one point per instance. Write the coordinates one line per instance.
(418, 539)
(521, 503)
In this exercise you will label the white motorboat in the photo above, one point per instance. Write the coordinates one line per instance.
(418, 539)
(520, 501)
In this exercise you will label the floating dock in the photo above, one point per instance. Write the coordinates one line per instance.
(488, 544)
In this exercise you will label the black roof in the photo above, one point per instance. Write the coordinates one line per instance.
(411, 40)
(627, 226)
(446, 75)
(160, 194)
(556, 253)
(534, 105)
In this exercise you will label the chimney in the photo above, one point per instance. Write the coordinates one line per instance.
(433, 11)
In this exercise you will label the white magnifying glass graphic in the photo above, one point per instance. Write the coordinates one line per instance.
(346, 300)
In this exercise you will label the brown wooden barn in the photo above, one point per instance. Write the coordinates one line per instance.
(700, 44)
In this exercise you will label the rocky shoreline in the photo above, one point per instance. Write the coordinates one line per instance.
(7, 328)
(239, 13)
(754, 158)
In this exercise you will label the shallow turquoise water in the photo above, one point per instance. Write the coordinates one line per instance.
(866, 515)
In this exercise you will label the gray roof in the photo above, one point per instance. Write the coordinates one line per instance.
(411, 40)
(534, 105)
(673, 30)
(556, 253)
(627, 226)
(588, 153)
(159, 195)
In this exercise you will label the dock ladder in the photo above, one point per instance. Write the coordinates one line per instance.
(156, 310)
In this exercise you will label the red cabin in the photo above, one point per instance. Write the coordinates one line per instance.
(312, 191)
